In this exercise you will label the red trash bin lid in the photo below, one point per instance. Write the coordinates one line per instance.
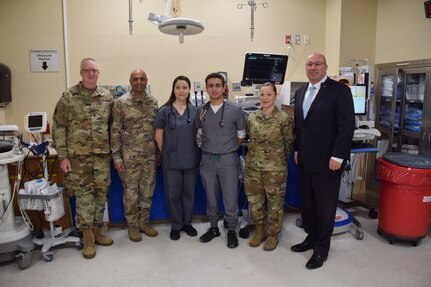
(408, 160)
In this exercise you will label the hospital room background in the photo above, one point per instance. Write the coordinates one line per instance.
(118, 34)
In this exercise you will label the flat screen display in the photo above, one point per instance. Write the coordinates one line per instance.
(262, 68)
(35, 121)
(359, 93)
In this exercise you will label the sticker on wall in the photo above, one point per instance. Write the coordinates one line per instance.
(43, 60)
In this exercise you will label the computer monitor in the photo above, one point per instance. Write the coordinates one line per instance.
(261, 68)
(35, 122)
(360, 95)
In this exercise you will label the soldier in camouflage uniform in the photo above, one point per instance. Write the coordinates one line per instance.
(81, 136)
(271, 137)
(134, 153)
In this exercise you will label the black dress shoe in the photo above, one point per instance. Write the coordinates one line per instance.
(189, 230)
(175, 234)
(302, 247)
(316, 261)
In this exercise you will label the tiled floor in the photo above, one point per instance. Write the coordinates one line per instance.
(160, 261)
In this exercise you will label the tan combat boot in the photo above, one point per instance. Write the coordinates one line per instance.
(270, 243)
(259, 236)
(149, 231)
(101, 239)
(88, 250)
(134, 234)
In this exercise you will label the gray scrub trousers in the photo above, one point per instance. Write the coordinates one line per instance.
(219, 166)
(180, 160)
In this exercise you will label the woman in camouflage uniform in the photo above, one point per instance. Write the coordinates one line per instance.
(271, 137)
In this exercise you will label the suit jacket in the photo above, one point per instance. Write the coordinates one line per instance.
(328, 128)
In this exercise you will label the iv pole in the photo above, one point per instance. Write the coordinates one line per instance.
(253, 7)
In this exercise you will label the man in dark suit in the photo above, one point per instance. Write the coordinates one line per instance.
(324, 122)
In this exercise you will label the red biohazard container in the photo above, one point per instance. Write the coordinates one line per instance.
(405, 197)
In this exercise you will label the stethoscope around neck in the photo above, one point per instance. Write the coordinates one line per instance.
(205, 110)
(171, 114)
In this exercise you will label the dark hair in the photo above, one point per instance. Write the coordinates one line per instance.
(269, 84)
(217, 76)
(172, 98)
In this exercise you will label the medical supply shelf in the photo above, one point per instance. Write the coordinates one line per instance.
(403, 112)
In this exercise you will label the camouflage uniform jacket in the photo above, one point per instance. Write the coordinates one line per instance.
(81, 122)
(271, 138)
(132, 129)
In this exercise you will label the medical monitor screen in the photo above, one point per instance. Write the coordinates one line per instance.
(35, 121)
(359, 93)
(262, 68)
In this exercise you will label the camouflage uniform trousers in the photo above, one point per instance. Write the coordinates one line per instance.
(138, 184)
(269, 186)
(89, 182)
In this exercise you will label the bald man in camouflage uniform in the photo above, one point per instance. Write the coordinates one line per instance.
(271, 136)
(134, 153)
(81, 136)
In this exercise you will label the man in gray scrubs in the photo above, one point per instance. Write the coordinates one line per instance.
(223, 128)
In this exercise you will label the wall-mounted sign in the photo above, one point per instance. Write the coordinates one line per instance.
(44, 60)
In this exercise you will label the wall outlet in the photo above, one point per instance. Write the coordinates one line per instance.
(297, 39)
(288, 39)
(306, 39)
(236, 86)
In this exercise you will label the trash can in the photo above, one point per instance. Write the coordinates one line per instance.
(405, 197)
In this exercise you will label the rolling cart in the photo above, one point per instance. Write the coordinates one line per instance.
(39, 194)
(50, 200)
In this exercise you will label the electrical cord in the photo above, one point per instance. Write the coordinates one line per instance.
(24, 214)
(9, 205)
(39, 149)
(25, 217)
(52, 168)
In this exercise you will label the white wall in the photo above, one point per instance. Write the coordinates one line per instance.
(358, 31)
(99, 28)
(403, 33)
(25, 25)
(333, 32)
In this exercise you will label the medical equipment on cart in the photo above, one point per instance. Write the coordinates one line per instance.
(39, 194)
(48, 198)
(15, 236)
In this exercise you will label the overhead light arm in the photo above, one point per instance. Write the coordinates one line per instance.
(157, 19)
(175, 26)
(168, 7)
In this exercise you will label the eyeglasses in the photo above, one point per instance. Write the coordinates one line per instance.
(88, 71)
(317, 64)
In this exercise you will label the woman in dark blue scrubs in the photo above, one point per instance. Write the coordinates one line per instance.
(175, 133)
